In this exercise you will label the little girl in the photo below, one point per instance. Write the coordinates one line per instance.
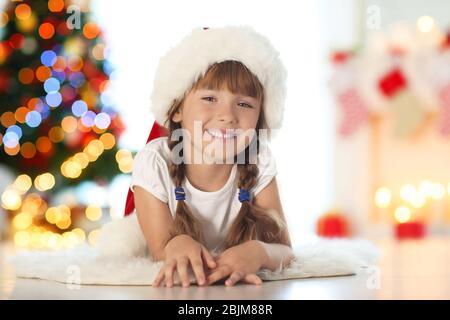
(206, 196)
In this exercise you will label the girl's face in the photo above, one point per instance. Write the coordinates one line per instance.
(220, 120)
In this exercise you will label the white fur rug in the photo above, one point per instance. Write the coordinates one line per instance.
(120, 258)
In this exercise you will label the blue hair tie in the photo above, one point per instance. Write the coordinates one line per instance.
(180, 194)
(244, 195)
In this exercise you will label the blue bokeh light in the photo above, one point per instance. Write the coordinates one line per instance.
(88, 119)
(76, 79)
(33, 118)
(16, 129)
(102, 120)
(51, 85)
(53, 99)
(79, 108)
(60, 75)
(10, 139)
(48, 58)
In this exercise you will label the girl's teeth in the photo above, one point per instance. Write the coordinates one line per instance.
(220, 135)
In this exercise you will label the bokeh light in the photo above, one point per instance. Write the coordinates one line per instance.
(23, 11)
(93, 213)
(79, 108)
(88, 118)
(48, 58)
(33, 119)
(69, 124)
(11, 199)
(51, 85)
(102, 120)
(53, 99)
(46, 30)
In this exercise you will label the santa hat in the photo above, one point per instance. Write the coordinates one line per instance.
(181, 66)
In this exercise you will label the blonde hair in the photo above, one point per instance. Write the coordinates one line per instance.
(252, 222)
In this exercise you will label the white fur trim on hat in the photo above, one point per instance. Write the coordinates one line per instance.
(181, 66)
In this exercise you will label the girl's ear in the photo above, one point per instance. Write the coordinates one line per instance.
(177, 116)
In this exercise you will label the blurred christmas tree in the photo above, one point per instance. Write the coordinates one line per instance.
(57, 126)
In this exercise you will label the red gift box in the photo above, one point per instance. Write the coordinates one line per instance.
(410, 230)
(332, 225)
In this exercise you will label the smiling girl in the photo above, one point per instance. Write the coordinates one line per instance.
(206, 195)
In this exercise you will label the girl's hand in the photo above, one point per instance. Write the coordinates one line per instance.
(181, 251)
(240, 263)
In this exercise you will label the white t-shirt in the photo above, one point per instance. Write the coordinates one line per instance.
(215, 210)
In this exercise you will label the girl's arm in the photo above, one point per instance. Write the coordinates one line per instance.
(155, 219)
(274, 255)
(180, 253)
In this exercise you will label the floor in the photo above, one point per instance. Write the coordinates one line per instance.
(409, 269)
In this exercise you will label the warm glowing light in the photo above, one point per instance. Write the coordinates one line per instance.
(108, 140)
(52, 215)
(23, 11)
(71, 169)
(93, 213)
(426, 188)
(36, 240)
(11, 199)
(54, 241)
(23, 183)
(3, 19)
(82, 159)
(55, 5)
(94, 148)
(425, 24)
(46, 30)
(33, 204)
(43, 73)
(92, 237)
(81, 235)
(402, 214)
(43, 144)
(8, 119)
(28, 150)
(125, 160)
(69, 124)
(22, 238)
(90, 30)
(69, 239)
(21, 113)
(22, 221)
(438, 191)
(383, 197)
(44, 181)
(98, 51)
(418, 201)
(26, 75)
(27, 25)
(64, 224)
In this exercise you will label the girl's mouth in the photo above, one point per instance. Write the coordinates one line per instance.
(223, 134)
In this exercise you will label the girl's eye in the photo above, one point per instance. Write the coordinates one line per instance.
(247, 105)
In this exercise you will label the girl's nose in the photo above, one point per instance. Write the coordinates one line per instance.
(227, 113)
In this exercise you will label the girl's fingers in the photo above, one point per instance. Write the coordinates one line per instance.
(235, 277)
(252, 279)
(218, 274)
(169, 273)
(197, 267)
(208, 258)
(159, 277)
(182, 265)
